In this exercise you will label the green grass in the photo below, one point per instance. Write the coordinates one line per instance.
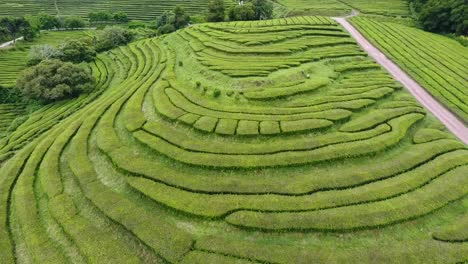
(13, 59)
(436, 62)
(341, 164)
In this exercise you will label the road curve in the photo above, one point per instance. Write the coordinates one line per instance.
(451, 121)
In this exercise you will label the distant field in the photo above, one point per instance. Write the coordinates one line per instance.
(141, 10)
(276, 141)
(380, 7)
(438, 63)
(341, 7)
(13, 60)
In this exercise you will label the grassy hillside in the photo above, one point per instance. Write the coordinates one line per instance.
(436, 62)
(276, 141)
(141, 10)
(13, 60)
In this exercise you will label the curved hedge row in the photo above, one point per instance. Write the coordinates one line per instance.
(170, 162)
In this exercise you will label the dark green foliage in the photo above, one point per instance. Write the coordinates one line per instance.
(53, 80)
(13, 27)
(76, 51)
(8, 95)
(163, 19)
(255, 10)
(100, 16)
(216, 92)
(263, 9)
(47, 21)
(112, 37)
(443, 16)
(181, 19)
(216, 11)
(120, 17)
(170, 22)
(243, 12)
(105, 16)
(74, 22)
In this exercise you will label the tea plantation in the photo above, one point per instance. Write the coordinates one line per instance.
(142, 10)
(275, 141)
(436, 62)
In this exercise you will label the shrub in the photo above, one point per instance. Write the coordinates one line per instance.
(47, 21)
(100, 16)
(198, 83)
(53, 80)
(120, 17)
(112, 37)
(216, 93)
(166, 29)
(76, 51)
(242, 12)
(74, 23)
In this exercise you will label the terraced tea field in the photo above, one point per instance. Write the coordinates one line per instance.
(275, 141)
(141, 10)
(342, 7)
(13, 60)
(8, 113)
(436, 62)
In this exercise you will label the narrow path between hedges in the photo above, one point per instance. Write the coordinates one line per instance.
(450, 120)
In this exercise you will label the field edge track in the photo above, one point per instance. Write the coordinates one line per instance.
(450, 120)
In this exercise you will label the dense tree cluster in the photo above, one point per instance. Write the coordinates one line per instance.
(12, 28)
(53, 80)
(105, 16)
(443, 16)
(112, 37)
(216, 11)
(245, 10)
(171, 21)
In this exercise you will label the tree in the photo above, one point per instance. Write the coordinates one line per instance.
(53, 80)
(243, 12)
(76, 51)
(263, 9)
(120, 17)
(100, 16)
(180, 18)
(216, 11)
(16, 26)
(74, 22)
(39, 53)
(163, 19)
(112, 37)
(47, 21)
(446, 16)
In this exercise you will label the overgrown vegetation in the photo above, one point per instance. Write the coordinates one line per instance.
(447, 16)
(171, 21)
(53, 80)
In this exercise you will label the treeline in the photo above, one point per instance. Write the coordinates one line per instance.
(244, 11)
(29, 26)
(442, 16)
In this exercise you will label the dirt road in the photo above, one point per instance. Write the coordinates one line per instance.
(455, 125)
